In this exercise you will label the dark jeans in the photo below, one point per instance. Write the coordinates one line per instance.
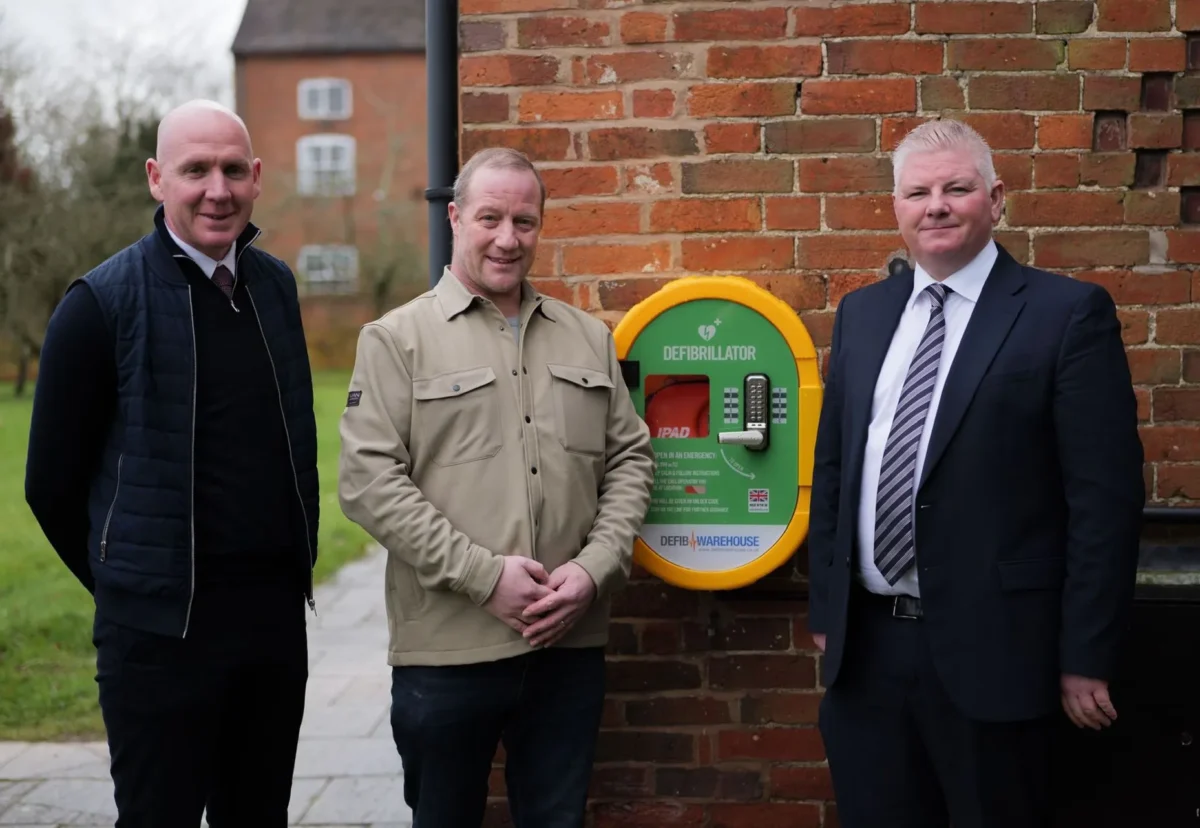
(902, 755)
(211, 720)
(447, 722)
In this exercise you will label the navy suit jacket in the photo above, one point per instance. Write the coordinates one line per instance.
(1029, 506)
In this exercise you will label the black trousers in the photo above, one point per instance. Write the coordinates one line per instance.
(209, 721)
(544, 706)
(902, 755)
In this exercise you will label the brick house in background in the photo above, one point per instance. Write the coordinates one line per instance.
(333, 92)
(680, 137)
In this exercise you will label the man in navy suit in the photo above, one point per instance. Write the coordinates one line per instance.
(976, 507)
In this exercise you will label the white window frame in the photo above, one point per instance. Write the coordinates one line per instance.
(336, 270)
(322, 89)
(326, 165)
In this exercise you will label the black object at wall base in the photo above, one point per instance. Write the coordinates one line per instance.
(1145, 769)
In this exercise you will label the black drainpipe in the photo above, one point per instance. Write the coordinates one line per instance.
(441, 106)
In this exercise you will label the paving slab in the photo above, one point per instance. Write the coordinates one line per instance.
(356, 801)
(368, 635)
(85, 796)
(30, 814)
(353, 720)
(372, 688)
(304, 794)
(11, 792)
(10, 751)
(323, 691)
(50, 760)
(336, 758)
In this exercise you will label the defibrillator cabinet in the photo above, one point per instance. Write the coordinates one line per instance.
(725, 375)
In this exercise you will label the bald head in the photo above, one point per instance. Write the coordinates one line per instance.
(194, 118)
(206, 176)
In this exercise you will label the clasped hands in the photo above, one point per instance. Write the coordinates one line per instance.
(541, 605)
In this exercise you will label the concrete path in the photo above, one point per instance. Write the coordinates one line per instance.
(347, 770)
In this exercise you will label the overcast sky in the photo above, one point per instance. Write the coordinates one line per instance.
(49, 30)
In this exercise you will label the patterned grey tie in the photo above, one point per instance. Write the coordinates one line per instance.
(223, 279)
(894, 549)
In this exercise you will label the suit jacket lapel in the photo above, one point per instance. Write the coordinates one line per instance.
(872, 338)
(998, 307)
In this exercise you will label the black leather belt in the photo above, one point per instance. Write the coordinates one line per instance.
(900, 606)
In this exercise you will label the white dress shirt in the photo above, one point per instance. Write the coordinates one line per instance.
(207, 263)
(966, 285)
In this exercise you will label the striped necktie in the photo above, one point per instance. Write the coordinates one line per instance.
(895, 552)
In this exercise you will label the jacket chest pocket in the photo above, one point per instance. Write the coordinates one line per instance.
(581, 397)
(455, 415)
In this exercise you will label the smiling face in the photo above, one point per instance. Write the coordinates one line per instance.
(945, 209)
(496, 231)
(206, 177)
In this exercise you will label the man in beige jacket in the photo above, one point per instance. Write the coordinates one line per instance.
(490, 445)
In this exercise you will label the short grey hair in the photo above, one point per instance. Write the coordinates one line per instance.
(496, 158)
(947, 134)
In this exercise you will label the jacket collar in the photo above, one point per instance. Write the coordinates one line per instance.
(454, 298)
(161, 251)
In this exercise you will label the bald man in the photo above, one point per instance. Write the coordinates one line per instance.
(172, 466)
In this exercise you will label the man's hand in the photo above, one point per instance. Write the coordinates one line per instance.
(819, 640)
(555, 614)
(522, 582)
(1086, 702)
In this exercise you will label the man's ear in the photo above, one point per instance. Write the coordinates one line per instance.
(154, 179)
(454, 215)
(256, 176)
(997, 201)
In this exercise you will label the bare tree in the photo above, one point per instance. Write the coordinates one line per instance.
(77, 147)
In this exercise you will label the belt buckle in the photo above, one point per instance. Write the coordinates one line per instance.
(906, 606)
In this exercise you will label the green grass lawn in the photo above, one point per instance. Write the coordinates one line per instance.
(47, 662)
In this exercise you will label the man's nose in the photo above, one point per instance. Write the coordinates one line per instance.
(936, 206)
(506, 236)
(218, 187)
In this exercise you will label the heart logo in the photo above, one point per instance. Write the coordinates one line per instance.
(707, 332)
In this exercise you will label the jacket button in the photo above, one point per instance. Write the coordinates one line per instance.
(528, 420)
(514, 372)
(454, 388)
(534, 469)
(585, 380)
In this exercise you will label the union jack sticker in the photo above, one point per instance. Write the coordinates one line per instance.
(759, 500)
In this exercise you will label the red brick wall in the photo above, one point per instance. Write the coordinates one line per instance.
(752, 137)
(388, 123)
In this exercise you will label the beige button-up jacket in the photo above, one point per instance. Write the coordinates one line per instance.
(462, 443)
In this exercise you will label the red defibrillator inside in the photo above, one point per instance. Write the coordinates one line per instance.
(677, 405)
